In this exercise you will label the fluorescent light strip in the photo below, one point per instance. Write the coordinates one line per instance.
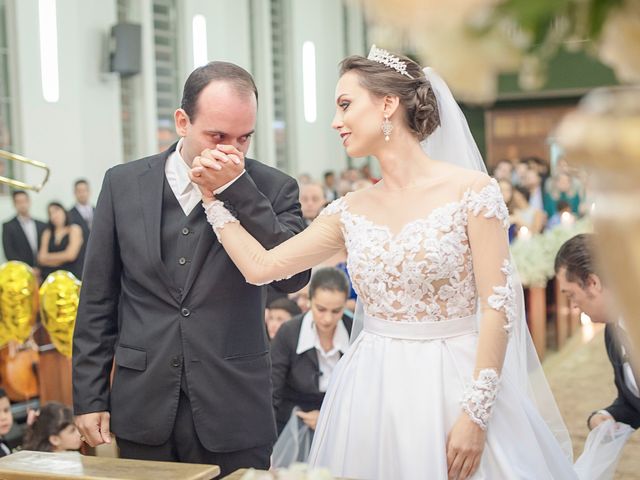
(309, 81)
(49, 50)
(200, 55)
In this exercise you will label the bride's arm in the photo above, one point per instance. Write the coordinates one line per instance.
(488, 240)
(321, 240)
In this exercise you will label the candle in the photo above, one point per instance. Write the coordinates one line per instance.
(567, 219)
(524, 233)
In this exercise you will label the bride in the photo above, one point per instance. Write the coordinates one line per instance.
(442, 381)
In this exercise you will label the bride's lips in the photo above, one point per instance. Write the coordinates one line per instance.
(345, 136)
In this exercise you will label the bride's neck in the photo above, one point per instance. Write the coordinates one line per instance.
(403, 164)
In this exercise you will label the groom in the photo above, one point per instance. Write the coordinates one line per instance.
(579, 279)
(191, 379)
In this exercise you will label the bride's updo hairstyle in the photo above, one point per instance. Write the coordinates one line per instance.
(415, 94)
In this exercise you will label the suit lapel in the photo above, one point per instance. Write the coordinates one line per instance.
(151, 183)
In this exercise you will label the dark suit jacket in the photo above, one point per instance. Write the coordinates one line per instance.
(295, 377)
(15, 243)
(78, 219)
(626, 407)
(212, 331)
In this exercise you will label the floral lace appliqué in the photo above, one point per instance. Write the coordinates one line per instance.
(218, 216)
(504, 297)
(491, 201)
(480, 395)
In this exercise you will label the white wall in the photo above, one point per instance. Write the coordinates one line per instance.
(78, 136)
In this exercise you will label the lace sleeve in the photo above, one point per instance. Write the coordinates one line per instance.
(488, 221)
(321, 240)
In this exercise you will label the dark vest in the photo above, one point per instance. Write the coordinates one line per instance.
(180, 235)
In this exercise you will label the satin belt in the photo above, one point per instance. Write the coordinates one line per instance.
(428, 330)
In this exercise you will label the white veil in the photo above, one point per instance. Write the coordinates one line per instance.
(452, 142)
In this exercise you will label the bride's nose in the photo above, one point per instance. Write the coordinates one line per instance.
(337, 121)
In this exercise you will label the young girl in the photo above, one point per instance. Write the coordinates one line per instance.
(52, 430)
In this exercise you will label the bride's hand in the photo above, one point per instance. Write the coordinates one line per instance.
(465, 444)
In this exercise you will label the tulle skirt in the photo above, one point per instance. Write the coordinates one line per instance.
(395, 396)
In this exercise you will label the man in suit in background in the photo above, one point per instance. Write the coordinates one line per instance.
(21, 235)
(82, 214)
(579, 281)
(160, 295)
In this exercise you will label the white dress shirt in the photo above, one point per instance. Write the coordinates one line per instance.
(629, 378)
(29, 228)
(86, 212)
(327, 361)
(186, 192)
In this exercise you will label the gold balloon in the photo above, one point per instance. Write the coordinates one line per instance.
(59, 298)
(18, 302)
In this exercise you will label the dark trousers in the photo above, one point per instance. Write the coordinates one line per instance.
(184, 446)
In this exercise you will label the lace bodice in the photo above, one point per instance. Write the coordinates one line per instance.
(425, 271)
(436, 266)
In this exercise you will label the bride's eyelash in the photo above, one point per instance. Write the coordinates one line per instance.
(345, 105)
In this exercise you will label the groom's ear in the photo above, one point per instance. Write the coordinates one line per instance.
(182, 122)
(390, 104)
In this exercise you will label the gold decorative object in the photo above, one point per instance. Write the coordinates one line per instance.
(59, 298)
(14, 157)
(18, 302)
(603, 134)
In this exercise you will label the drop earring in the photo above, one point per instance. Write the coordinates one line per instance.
(387, 128)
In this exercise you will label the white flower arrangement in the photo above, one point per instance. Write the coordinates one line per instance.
(535, 256)
(297, 471)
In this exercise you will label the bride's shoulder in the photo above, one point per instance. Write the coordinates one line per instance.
(465, 180)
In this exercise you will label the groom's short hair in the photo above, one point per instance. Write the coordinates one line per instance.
(576, 256)
(202, 76)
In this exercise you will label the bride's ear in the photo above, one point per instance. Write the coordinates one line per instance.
(390, 104)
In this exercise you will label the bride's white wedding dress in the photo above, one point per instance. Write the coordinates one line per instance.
(423, 260)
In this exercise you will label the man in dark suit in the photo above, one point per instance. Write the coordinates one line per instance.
(160, 295)
(579, 281)
(21, 235)
(82, 214)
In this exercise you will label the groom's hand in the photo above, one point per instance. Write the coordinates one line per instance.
(94, 428)
(216, 168)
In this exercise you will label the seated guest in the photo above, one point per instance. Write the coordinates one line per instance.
(561, 188)
(563, 211)
(308, 347)
(521, 213)
(6, 422)
(278, 312)
(312, 201)
(52, 429)
(580, 281)
(61, 243)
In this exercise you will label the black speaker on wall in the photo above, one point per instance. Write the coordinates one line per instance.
(126, 49)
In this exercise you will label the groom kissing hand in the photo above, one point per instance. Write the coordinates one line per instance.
(164, 308)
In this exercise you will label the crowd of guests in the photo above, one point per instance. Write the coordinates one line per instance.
(539, 200)
(49, 429)
(55, 244)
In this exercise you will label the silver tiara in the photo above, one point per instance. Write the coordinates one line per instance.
(382, 56)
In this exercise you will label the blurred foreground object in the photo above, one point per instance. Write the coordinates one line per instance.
(603, 134)
(470, 42)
